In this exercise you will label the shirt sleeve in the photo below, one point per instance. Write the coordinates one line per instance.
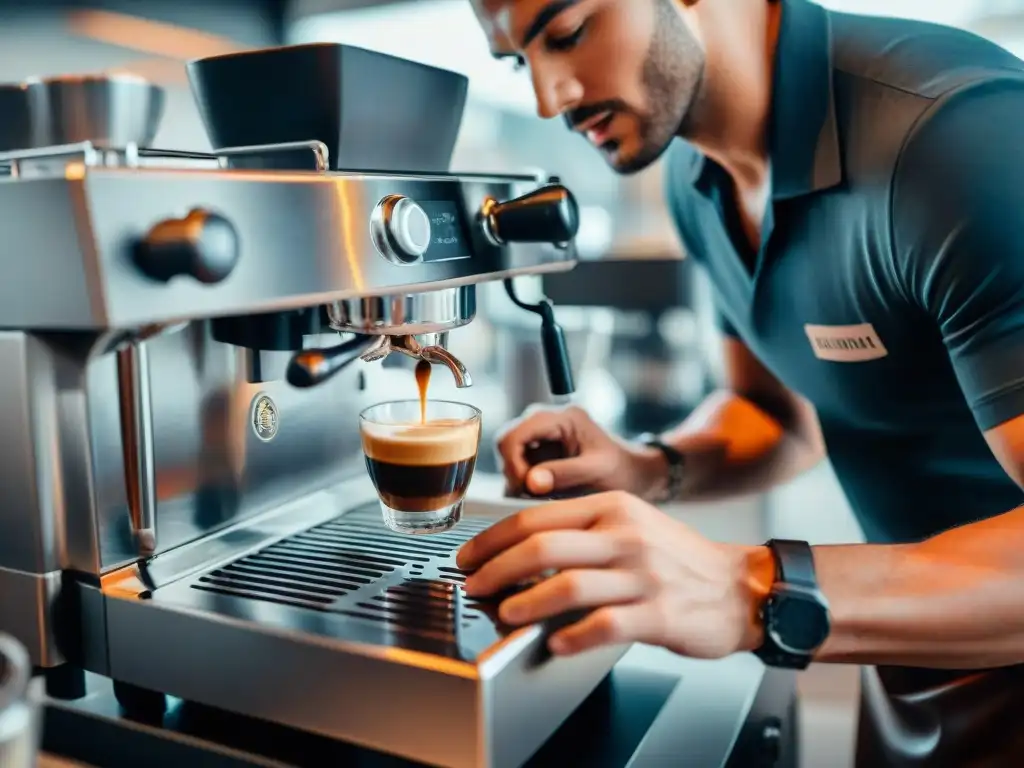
(958, 239)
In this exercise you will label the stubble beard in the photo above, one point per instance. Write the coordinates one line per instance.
(673, 79)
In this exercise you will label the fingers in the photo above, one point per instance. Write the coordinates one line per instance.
(564, 474)
(552, 550)
(512, 444)
(611, 625)
(573, 514)
(569, 591)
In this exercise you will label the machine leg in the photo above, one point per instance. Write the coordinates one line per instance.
(140, 703)
(66, 682)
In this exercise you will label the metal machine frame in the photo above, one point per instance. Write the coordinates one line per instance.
(151, 473)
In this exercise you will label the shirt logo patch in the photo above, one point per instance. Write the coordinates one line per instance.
(845, 343)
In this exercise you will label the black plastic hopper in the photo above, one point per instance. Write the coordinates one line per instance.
(374, 112)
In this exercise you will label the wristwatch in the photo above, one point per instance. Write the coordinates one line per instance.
(795, 615)
(675, 460)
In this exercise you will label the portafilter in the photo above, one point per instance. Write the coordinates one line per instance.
(415, 325)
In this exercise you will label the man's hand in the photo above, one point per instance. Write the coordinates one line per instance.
(595, 461)
(643, 576)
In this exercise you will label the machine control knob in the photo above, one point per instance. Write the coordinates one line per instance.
(400, 229)
(546, 215)
(202, 245)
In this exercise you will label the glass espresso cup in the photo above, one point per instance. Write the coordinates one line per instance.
(421, 467)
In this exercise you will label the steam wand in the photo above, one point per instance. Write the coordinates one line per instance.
(556, 360)
(552, 337)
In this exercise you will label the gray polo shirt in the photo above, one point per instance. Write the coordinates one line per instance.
(889, 285)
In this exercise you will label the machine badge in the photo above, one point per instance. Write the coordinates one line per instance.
(265, 418)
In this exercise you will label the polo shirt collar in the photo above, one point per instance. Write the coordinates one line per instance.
(803, 138)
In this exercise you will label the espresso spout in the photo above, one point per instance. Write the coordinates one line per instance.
(440, 356)
(434, 353)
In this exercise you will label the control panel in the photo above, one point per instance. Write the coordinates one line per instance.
(407, 231)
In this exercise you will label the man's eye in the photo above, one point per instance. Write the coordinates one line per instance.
(568, 42)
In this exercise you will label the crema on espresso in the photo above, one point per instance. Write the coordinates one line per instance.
(421, 467)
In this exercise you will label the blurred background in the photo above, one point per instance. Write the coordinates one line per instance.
(638, 320)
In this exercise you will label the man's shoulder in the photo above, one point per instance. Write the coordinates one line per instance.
(906, 88)
(916, 58)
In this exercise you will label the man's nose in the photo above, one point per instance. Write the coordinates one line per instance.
(555, 94)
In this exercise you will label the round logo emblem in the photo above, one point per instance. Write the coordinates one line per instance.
(265, 418)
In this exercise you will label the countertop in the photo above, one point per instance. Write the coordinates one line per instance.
(663, 711)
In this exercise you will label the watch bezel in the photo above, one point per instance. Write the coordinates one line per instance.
(782, 593)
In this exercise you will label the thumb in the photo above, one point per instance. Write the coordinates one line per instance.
(561, 475)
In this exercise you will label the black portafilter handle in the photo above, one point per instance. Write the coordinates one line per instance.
(312, 367)
(549, 214)
(552, 339)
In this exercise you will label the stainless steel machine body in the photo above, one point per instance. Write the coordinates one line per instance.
(178, 524)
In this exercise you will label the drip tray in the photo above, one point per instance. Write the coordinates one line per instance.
(400, 590)
(347, 630)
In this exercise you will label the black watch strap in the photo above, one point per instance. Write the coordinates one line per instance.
(794, 561)
(786, 641)
(675, 460)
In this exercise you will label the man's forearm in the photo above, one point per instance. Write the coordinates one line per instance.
(733, 448)
(724, 478)
(955, 601)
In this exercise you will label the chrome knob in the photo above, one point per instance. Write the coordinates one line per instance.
(400, 229)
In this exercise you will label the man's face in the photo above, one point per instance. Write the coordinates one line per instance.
(624, 73)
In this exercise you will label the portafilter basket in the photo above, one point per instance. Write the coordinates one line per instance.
(18, 721)
(373, 112)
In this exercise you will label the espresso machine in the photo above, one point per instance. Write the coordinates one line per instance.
(186, 512)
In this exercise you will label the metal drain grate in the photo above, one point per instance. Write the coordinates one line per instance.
(338, 567)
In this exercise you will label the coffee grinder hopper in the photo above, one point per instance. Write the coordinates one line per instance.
(373, 113)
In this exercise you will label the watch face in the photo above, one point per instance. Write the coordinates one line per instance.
(799, 623)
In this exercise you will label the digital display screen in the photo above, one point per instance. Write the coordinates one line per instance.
(447, 236)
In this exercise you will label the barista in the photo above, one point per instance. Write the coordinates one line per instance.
(853, 187)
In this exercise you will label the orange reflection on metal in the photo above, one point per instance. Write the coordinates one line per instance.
(346, 206)
(432, 663)
(153, 37)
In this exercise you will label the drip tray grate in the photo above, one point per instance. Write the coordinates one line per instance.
(353, 566)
